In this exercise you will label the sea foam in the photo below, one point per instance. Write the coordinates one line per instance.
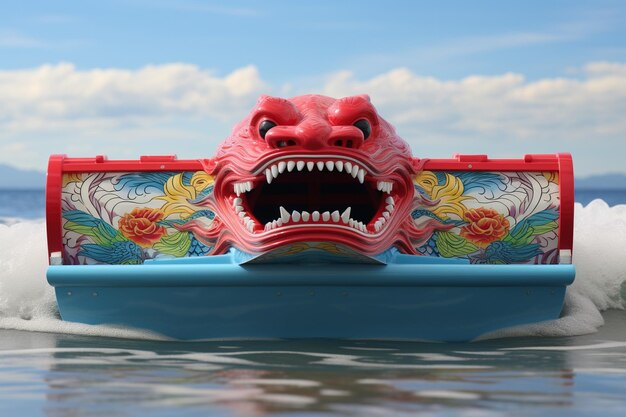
(27, 302)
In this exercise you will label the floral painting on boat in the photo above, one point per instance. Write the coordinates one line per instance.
(128, 218)
(496, 217)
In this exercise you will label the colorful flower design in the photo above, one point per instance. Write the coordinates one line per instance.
(131, 217)
(485, 225)
(140, 226)
(497, 217)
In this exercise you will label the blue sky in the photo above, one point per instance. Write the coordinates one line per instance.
(137, 77)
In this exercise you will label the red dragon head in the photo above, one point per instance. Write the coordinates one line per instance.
(315, 169)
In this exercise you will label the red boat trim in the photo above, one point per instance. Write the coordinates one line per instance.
(60, 164)
(54, 183)
(566, 192)
(531, 162)
(101, 163)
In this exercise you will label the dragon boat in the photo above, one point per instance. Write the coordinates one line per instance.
(312, 220)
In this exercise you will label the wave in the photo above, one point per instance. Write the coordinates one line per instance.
(28, 303)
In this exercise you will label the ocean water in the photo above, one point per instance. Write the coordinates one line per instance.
(573, 366)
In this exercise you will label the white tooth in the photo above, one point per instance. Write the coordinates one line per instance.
(291, 165)
(351, 223)
(320, 165)
(248, 185)
(268, 226)
(390, 188)
(361, 175)
(315, 216)
(279, 222)
(274, 224)
(381, 220)
(242, 214)
(355, 171)
(250, 227)
(305, 216)
(362, 226)
(326, 216)
(246, 219)
(335, 216)
(348, 167)
(274, 171)
(310, 165)
(281, 166)
(300, 165)
(389, 200)
(390, 208)
(268, 176)
(236, 187)
(295, 216)
(330, 165)
(345, 216)
(377, 226)
(237, 202)
(284, 216)
(386, 214)
(339, 166)
(238, 209)
(379, 186)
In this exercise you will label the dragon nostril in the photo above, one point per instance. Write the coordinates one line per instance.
(285, 142)
(344, 143)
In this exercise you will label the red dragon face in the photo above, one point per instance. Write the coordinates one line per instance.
(315, 169)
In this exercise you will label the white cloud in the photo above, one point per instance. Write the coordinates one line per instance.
(480, 110)
(180, 108)
(600, 69)
(9, 39)
(122, 112)
(62, 96)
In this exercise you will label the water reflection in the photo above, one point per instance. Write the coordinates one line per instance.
(260, 378)
(77, 375)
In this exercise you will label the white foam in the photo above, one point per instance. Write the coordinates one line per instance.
(298, 383)
(27, 302)
(600, 284)
(448, 394)
(24, 293)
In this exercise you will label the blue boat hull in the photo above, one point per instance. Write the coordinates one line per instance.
(404, 300)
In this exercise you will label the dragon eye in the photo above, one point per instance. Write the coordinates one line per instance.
(364, 126)
(265, 126)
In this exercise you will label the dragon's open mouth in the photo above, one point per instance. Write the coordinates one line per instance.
(305, 191)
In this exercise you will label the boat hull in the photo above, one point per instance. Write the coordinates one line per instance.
(443, 302)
